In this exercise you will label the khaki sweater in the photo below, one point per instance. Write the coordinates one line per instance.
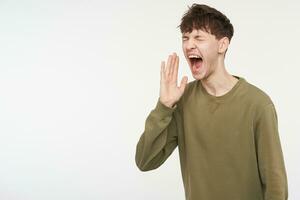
(229, 146)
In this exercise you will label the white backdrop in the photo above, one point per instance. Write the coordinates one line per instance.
(78, 79)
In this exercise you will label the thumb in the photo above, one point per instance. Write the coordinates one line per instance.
(183, 84)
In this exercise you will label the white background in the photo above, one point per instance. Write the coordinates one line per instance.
(78, 79)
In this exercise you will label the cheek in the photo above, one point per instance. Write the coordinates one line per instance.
(183, 46)
(212, 51)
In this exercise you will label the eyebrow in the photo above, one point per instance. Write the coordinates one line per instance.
(196, 36)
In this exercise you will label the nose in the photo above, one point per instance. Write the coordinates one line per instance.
(190, 44)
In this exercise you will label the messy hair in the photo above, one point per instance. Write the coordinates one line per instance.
(200, 16)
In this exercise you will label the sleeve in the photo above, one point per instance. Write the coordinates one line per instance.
(159, 138)
(270, 156)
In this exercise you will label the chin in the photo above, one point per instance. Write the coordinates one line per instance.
(198, 75)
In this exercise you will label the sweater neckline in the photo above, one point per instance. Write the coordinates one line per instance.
(225, 96)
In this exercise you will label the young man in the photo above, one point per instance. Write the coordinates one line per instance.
(226, 129)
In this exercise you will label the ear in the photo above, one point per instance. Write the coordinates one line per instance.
(223, 44)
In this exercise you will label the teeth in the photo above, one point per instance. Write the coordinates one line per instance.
(194, 56)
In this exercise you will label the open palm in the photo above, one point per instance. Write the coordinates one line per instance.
(170, 93)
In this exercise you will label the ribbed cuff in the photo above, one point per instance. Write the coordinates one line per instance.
(164, 110)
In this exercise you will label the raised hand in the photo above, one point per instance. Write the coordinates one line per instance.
(169, 92)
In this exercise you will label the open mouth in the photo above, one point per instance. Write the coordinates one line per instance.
(196, 61)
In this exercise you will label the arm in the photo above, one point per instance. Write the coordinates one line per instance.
(270, 156)
(159, 138)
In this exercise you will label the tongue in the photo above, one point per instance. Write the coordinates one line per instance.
(198, 64)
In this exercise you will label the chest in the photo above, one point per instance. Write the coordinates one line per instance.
(217, 124)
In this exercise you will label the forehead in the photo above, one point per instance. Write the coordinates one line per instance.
(196, 32)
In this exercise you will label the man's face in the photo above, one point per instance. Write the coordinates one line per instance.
(201, 49)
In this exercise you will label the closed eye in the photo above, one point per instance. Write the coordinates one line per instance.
(199, 38)
(184, 38)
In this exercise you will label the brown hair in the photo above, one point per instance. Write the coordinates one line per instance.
(204, 17)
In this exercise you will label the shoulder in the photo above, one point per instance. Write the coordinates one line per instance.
(190, 86)
(257, 95)
(259, 101)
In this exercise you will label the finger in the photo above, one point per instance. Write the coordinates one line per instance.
(183, 83)
(162, 70)
(168, 65)
(172, 64)
(175, 74)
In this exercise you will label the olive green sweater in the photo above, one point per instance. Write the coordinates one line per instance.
(229, 146)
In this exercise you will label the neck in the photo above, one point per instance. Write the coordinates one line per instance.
(220, 81)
